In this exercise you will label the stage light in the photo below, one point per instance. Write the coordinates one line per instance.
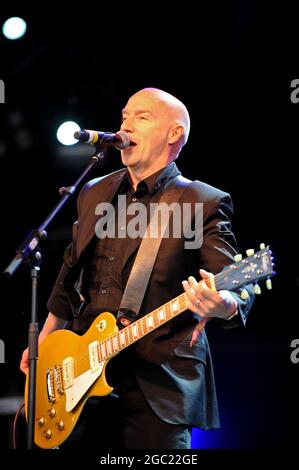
(65, 133)
(14, 28)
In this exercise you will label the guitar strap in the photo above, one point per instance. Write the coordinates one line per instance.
(147, 253)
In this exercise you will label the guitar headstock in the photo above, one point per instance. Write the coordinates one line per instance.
(253, 268)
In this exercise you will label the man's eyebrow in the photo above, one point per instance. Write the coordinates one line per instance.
(140, 111)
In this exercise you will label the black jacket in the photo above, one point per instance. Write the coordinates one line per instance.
(176, 380)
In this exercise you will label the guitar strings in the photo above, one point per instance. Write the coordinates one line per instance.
(83, 359)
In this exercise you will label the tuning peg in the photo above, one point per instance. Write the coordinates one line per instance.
(262, 246)
(238, 257)
(244, 294)
(250, 252)
(257, 289)
(269, 284)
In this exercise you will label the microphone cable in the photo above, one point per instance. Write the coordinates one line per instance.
(14, 426)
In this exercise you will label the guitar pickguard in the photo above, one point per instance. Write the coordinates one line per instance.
(80, 386)
(76, 387)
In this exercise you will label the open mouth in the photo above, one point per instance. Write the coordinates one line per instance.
(132, 144)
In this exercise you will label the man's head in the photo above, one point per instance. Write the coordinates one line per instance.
(158, 125)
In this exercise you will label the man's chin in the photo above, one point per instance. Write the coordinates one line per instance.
(128, 159)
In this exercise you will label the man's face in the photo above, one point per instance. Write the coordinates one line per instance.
(147, 120)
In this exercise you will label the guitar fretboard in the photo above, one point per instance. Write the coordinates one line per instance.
(141, 327)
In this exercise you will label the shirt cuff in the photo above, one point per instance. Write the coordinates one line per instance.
(233, 315)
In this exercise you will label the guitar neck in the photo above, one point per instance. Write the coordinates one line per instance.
(148, 323)
(255, 267)
(141, 327)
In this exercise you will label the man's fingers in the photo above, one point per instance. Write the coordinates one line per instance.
(194, 284)
(205, 274)
(202, 291)
(191, 293)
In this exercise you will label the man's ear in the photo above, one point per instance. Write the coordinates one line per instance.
(175, 134)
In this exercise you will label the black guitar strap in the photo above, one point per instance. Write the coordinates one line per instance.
(147, 253)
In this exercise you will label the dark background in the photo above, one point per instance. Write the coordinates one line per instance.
(232, 64)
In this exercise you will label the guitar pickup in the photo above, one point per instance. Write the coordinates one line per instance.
(94, 362)
(68, 372)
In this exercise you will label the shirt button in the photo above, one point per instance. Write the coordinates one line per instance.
(134, 199)
(111, 258)
(103, 291)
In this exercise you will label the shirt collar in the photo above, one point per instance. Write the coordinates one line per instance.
(153, 182)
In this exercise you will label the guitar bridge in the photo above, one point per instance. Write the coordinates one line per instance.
(58, 379)
(50, 385)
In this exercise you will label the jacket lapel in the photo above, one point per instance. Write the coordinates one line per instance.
(103, 193)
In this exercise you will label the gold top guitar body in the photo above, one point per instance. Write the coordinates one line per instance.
(69, 372)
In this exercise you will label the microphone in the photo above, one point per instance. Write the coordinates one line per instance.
(119, 140)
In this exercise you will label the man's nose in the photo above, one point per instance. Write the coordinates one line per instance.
(127, 125)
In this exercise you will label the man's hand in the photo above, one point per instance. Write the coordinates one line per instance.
(24, 364)
(206, 302)
(52, 323)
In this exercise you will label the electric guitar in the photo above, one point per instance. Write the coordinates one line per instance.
(71, 368)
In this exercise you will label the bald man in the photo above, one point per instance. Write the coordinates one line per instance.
(163, 386)
(158, 125)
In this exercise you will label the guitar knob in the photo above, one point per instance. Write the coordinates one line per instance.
(262, 246)
(238, 257)
(41, 422)
(49, 434)
(60, 425)
(250, 252)
(52, 412)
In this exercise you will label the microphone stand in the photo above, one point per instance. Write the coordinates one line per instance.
(29, 252)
